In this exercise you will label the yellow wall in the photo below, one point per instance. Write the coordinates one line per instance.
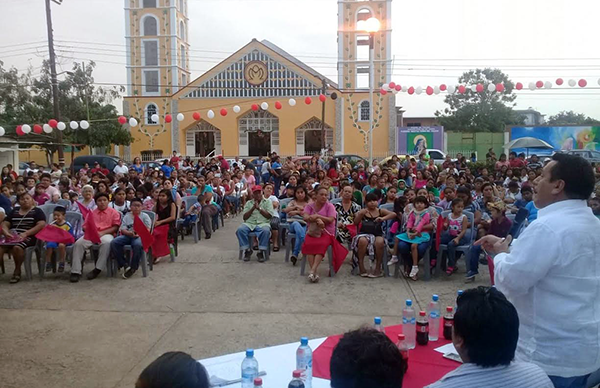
(39, 156)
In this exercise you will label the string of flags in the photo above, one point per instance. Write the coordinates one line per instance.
(391, 87)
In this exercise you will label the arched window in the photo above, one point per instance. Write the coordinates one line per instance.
(363, 14)
(183, 59)
(149, 4)
(182, 30)
(365, 111)
(150, 26)
(151, 109)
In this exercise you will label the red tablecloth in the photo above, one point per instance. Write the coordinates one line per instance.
(425, 365)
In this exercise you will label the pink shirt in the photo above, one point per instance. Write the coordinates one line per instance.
(328, 210)
(250, 181)
(106, 218)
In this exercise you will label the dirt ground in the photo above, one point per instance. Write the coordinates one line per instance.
(102, 333)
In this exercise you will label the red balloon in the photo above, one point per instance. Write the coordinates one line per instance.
(122, 120)
(37, 129)
(429, 90)
(383, 92)
(322, 98)
(255, 107)
(278, 105)
(411, 90)
(462, 89)
(479, 88)
(52, 123)
(398, 88)
(223, 112)
(539, 84)
(168, 118)
(499, 87)
(443, 87)
(559, 81)
(19, 130)
(308, 100)
(392, 85)
(196, 116)
(582, 83)
(519, 86)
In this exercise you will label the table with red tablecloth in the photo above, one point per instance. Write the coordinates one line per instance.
(425, 365)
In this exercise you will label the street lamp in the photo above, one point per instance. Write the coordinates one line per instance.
(371, 25)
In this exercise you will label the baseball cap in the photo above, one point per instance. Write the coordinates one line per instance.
(257, 188)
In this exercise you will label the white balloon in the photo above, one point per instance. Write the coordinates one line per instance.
(404, 88)
(474, 88)
(572, 82)
(2, 131)
(531, 86)
(26, 128)
(264, 106)
(210, 114)
(47, 128)
(180, 117)
(451, 89)
(133, 122)
(74, 124)
(61, 126)
(154, 118)
(237, 109)
(491, 88)
(84, 124)
(598, 81)
(547, 84)
(385, 86)
(292, 102)
(419, 90)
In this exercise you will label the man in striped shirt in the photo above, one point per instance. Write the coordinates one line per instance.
(486, 331)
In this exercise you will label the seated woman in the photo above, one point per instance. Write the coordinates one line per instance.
(87, 192)
(370, 235)
(295, 217)
(320, 216)
(346, 211)
(19, 228)
(166, 212)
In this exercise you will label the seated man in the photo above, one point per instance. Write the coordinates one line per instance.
(107, 222)
(486, 331)
(366, 358)
(207, 203)
(130, 237)
(257, 215)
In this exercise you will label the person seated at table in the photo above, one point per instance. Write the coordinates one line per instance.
(485, 335)
(107, 222)
(257, 214)
(366, 358)
(130, 237)
(23, 222)
(173, 369)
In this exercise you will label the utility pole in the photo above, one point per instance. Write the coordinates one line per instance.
(54, 78)
(323, 137)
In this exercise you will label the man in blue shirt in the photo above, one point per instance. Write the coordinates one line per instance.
(166, 168)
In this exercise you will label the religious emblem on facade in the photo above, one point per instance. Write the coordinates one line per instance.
(256, 73)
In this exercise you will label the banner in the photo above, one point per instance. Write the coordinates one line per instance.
(561, 138)
(414, 140)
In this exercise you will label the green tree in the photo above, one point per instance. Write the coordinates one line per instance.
(29, 100)
(480, 112)
(571, 118)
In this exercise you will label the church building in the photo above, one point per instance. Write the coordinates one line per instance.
(159, 83)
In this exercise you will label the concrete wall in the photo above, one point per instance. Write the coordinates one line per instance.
(478, 142)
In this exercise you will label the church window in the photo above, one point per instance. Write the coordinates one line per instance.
(150, 52)
(149, 3)
(151, 109)
(365, 111)
(150, 26)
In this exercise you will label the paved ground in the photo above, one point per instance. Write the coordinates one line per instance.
(102, 333)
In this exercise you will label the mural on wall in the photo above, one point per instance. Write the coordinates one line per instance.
(414, 140)
(561, 138)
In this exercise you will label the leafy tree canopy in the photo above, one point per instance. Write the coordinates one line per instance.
(571, 118)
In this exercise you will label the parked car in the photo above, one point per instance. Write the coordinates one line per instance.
(108, 161)
(589, 155)
(22, 167)
(353, 159)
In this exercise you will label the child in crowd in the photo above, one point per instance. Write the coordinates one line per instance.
(449, 195)
(390, 196)
(73, 198)
(191, 215)
(454, 235)
(594, 203)
(59, 216)
(119, 201)
(512, 193)
(414, 235)
(526, 197)
(357, 195)
(40, 196)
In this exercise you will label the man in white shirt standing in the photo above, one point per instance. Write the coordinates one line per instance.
(552, 275)
(120, 168)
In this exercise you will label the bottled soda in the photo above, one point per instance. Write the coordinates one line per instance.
(422, 328)
(377, 324)
(249, 369)
(403, 347)
(448, 323)
(434, 318)
(408, 324)
(257, 382)
(304, 359)
(297, 380)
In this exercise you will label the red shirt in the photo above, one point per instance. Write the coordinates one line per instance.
(332, 173)
(517, 163)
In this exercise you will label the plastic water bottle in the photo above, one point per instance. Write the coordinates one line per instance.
(403, 347)
(304, 360)
(377, 324)
(297, 380)
(249, 369)
(409, 324)
(257, 382)
(434, 318)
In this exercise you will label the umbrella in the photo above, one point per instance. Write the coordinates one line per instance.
(528, 142)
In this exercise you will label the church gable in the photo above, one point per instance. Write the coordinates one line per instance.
(255, 74)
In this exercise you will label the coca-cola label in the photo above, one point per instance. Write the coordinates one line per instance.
(423, 329)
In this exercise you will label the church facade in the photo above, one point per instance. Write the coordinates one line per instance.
(260, 72)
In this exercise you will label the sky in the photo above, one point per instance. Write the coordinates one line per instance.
(433, 41)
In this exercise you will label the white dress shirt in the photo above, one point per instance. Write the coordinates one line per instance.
(121, 169)
(552, 276)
